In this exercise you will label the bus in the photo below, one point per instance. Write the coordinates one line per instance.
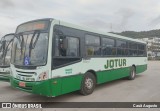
(5, 55)
(51, 57)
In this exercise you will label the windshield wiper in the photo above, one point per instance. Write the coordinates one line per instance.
(6, 48)
(33, 44)
(20, 41)
(0, 46)
(2, 51)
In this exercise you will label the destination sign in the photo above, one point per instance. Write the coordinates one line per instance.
(35, 25)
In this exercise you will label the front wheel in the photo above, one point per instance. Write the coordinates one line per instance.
(132, 73)
(88, 84)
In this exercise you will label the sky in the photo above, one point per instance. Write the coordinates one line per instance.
(102, 15)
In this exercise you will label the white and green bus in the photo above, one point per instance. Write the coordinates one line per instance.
(5, 55)
(51, 58)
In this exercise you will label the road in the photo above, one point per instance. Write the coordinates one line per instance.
(145, 88)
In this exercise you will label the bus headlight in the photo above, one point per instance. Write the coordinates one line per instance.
(43, 76)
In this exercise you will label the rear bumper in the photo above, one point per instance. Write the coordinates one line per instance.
(38, 87)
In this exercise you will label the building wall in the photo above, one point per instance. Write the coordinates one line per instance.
(153, 45)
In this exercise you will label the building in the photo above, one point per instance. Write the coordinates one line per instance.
(153, 46)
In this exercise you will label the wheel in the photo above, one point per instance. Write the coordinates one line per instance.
(132, 73)
(88, 84)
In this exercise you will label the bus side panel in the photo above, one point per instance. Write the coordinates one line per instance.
(56, 86)
(141, 68)
(71, 83)
(42, 88)
(109, 75)
(66, 84)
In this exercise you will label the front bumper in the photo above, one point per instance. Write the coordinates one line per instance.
(35, 87)
(4, 76)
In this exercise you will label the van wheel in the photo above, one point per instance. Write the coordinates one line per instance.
(132, 73)
(88, 84)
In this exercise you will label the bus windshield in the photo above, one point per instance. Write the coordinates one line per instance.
(30, 49)
(5, 49)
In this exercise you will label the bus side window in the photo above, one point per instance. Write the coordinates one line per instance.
(121, 48)
(62, 50)
(92, 45)
(73, 47)
(67, 46)
(108, 46)
(133, 49)
(67, 51)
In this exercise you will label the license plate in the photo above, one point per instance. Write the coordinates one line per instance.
(22, 84)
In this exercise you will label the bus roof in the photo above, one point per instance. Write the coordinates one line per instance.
(88, 29)
(6, 35)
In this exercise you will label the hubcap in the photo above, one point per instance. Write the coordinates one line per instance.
(88, 83)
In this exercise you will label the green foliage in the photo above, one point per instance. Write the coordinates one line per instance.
(142, 34)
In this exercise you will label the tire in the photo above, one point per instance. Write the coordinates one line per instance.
(88, 84)
(132, 73)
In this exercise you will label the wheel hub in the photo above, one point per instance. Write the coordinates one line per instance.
(89, 83)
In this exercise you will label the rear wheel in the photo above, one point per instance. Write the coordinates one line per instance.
(132, 73)
(88, 84)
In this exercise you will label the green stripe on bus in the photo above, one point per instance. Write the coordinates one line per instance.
(51, 87)
(65, 85)
(109, 75)
(113, 74)
(141, 68)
